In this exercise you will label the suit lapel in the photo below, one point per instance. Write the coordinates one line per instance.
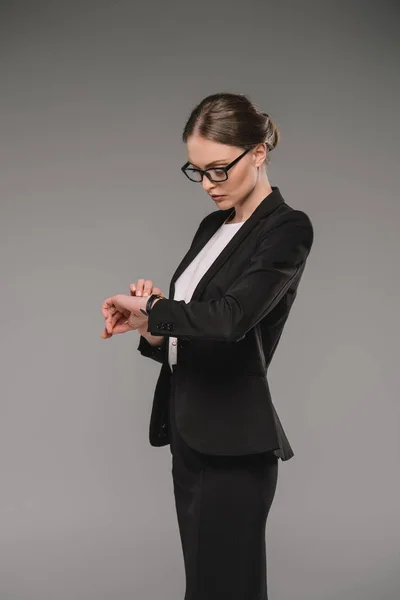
(270, 203)
(198, 246)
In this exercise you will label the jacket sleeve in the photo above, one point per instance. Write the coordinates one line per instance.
(281, 252)
(157, 353)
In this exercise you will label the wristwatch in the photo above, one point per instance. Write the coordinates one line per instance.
(149, 303)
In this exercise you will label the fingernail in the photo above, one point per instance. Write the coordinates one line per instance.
(145, 294)
(138, 293)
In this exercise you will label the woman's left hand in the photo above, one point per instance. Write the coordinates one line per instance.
(118, 309)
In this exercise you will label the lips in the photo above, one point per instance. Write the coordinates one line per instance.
(215, 197)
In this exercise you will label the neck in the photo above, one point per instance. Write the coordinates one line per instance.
(250, 202)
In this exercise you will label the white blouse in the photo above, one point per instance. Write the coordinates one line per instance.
(188, 280)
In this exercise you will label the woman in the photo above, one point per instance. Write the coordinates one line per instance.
(215, 336)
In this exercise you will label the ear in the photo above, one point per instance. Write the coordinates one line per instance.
(259, 154)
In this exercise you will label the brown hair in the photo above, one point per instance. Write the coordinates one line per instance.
(234, 120)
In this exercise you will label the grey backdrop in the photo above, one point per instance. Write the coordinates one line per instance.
(94, 96)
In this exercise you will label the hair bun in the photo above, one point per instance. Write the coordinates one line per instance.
(272, 133)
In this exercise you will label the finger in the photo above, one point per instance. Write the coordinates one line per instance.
(115, 318)
(122, 325)
(148, 287)
(105, 308)
(132, 288)
(139, 287)
(109, 319)
(156, 290)
(112, 316)
(121, 328)
(105, 335)
(108, 306)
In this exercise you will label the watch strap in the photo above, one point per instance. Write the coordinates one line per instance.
(149, 303)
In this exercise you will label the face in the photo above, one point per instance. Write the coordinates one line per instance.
(242, 177)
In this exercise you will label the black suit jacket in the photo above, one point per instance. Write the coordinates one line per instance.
(228, 332)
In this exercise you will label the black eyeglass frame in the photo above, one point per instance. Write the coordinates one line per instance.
(205, 171)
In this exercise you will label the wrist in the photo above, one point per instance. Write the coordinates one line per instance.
(147, 304)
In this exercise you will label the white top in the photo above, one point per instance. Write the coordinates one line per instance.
(188, 280)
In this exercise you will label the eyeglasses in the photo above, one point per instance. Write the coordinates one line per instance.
(215, 174)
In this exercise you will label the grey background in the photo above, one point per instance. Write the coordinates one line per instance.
(94, 96)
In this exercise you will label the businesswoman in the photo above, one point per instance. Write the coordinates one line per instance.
(215, 335)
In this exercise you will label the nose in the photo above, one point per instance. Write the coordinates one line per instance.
(207, 184)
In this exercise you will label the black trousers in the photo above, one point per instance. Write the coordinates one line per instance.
(222, 504)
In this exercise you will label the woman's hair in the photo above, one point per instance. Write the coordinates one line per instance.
(233, 120)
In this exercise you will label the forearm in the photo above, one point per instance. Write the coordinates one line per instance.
(151, 346)
(154, 340)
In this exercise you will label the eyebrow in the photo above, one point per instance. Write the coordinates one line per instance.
(214, 162)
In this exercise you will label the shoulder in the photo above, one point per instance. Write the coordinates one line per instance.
(287, 224)
(285, 216)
